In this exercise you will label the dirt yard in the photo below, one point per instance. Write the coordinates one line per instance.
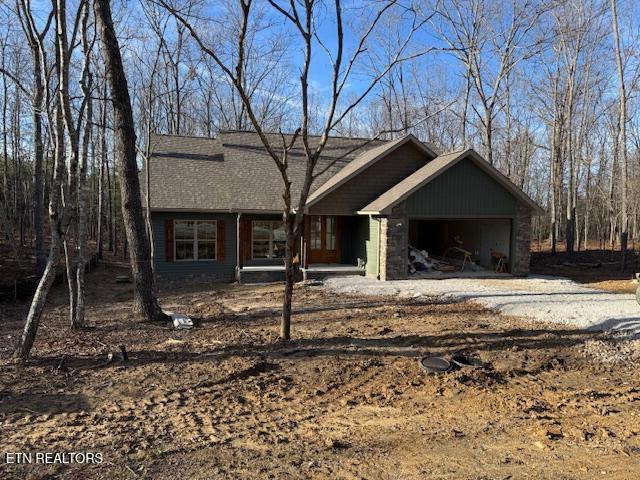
(594, 268)
(345, 400)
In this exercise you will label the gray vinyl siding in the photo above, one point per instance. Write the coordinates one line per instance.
(372, 182)
(216, 270)
(371, 246)
(463, 191)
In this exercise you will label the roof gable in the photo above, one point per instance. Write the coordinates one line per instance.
(401, 191)
(362, 162)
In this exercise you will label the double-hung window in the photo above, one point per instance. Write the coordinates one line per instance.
(268, 239)
(195, 239)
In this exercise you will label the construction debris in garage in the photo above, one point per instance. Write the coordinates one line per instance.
(420, 261)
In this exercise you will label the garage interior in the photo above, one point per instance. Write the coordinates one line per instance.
(478, 236)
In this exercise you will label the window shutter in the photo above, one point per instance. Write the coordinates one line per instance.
(168, 239)
(220, 240)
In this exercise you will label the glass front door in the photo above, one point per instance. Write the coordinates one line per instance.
(323, 239)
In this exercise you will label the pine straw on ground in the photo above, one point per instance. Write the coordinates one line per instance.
(345, 399)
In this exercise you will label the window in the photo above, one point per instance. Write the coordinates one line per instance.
(195, 239)
(316, 233)
(330, 235)
(268, 239)
(323, 229)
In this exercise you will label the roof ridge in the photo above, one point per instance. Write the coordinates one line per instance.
(344, 137)
(203, 137)
(222, 132)
(455, 151)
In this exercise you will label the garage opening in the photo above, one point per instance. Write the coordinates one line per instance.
(480, 237)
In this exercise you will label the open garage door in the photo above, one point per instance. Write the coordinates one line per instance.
(478, 236)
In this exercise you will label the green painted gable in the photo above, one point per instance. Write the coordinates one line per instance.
(462, 191)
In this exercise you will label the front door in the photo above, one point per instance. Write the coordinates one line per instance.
(323, 239)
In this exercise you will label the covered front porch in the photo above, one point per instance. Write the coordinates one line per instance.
(330, 246)
(337, 243)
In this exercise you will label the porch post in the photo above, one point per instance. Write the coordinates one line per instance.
(305, 242)
(238, 243)
(394, 241)
(520, 255)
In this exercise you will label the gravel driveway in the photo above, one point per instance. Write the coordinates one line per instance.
(548, 299)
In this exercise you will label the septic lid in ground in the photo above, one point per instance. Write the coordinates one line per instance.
(434, 364)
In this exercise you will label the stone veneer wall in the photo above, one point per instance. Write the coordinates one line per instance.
(521, 248)
(394, 241)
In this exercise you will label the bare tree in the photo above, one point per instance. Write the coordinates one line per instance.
(530, 84)
(146, 302)
(86, 85)
(621, 139)
(302, 19)
(102, 147)
(490, 52)
(59, 217)
(35, 39)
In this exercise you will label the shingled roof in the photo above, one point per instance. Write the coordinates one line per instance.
(233, 172)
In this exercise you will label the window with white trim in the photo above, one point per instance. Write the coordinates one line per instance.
(268, 239)
(195, 239)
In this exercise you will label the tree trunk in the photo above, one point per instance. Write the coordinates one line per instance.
(38, 192)
(570, 233)
(5, 138)
(285, 324)
(570, 207)
(146, 302)
(59, 223)
(69, 191)
(553, 190)
(86, 85)
(70, 259)
(587, 205)
(622, 141)
(26, 340)
(103, 160)
(610, 199)
(465, 106)
(148, 212)
(112, 222)
(487, 137)
(507, 146)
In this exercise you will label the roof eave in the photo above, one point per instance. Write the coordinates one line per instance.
(216, 210)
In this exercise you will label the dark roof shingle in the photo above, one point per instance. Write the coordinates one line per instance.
(234, 172)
